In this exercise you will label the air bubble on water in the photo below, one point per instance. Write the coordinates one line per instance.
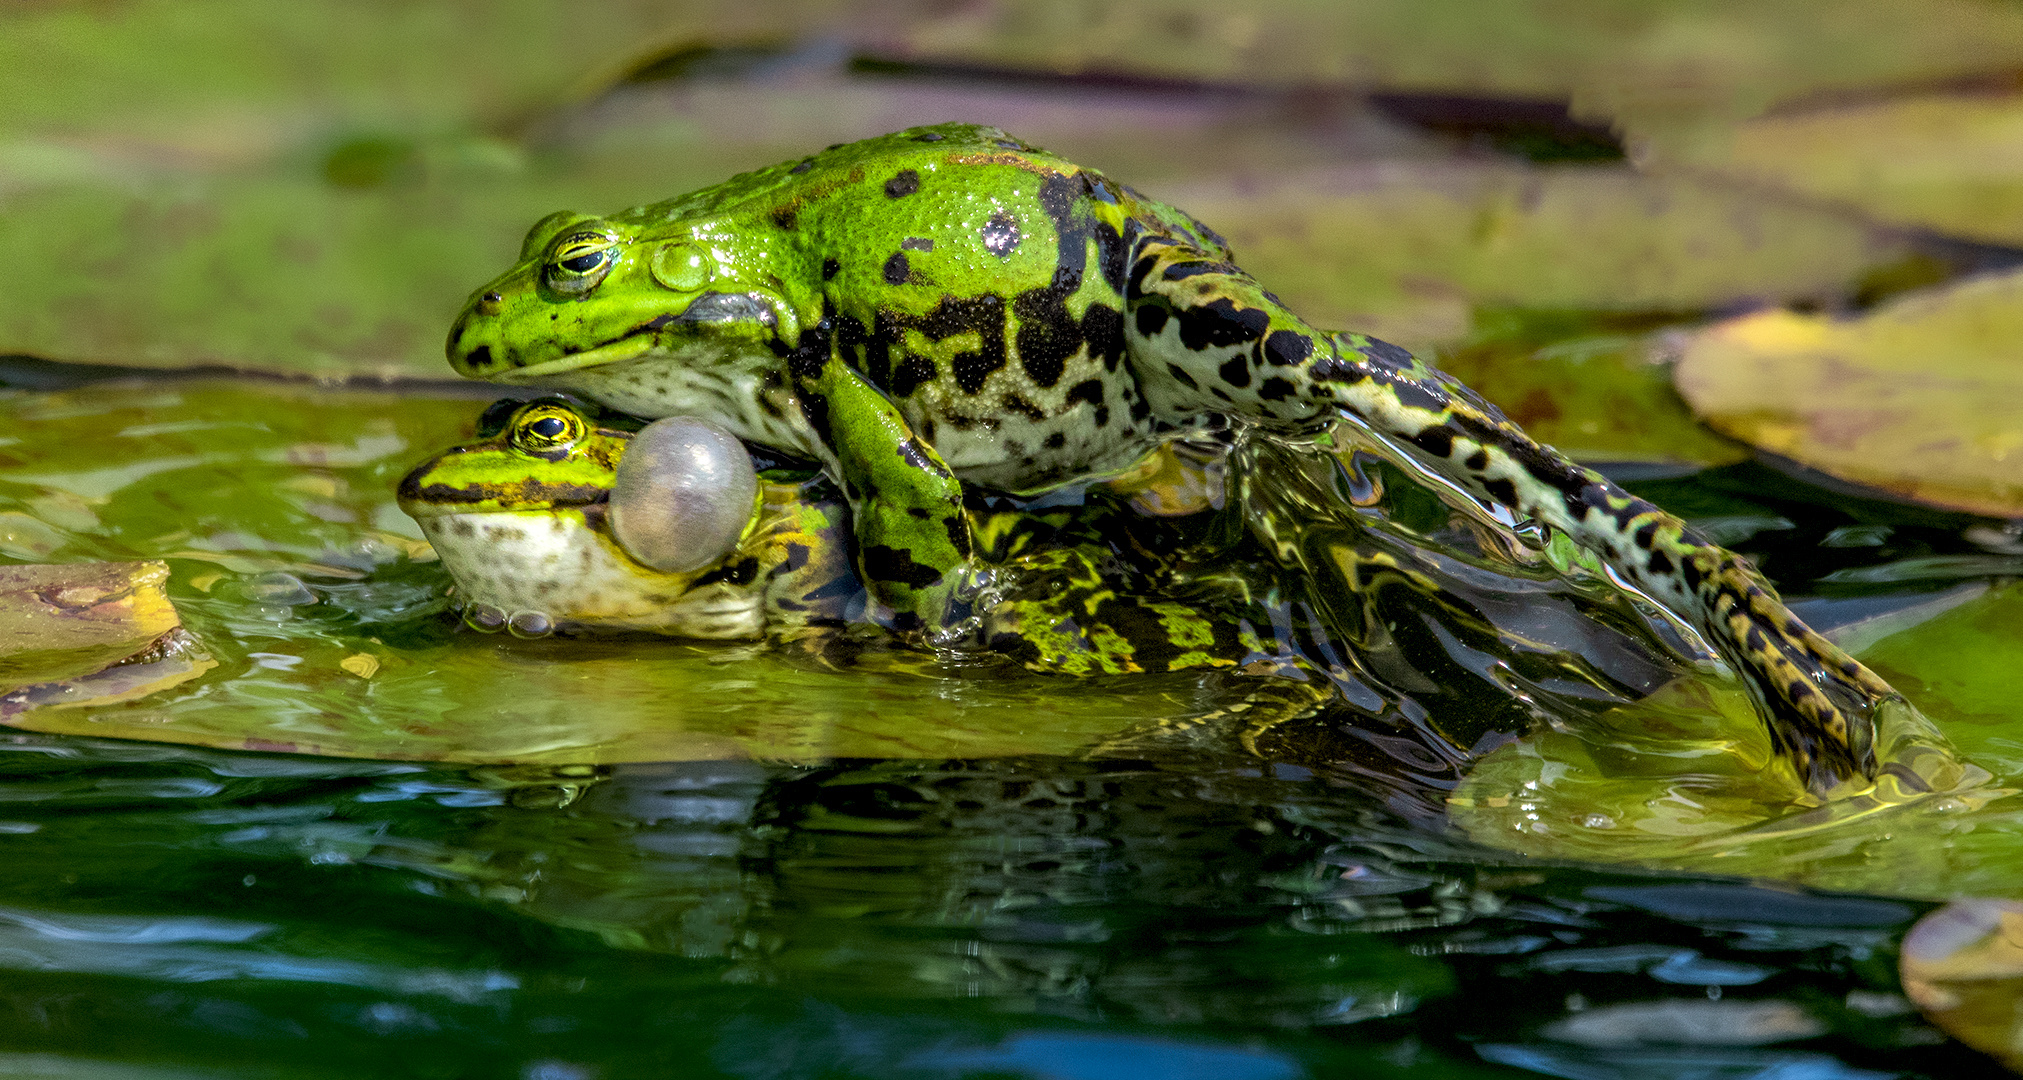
(278, 589)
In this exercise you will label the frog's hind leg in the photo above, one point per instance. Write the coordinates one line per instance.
(1205, 337)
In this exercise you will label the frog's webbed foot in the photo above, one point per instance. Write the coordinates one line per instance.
(1820, 702)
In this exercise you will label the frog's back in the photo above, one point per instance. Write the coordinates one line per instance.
(977, 281)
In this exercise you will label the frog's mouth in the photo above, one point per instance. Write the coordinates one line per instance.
(630, 347)
(752, 308)
(420, 495)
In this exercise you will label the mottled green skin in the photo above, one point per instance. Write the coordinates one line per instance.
(1072, 606)
(947, 303)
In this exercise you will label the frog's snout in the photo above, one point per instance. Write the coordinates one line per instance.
(473, 345)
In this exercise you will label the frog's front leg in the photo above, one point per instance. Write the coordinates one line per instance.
(912, 536)
(1208, 338)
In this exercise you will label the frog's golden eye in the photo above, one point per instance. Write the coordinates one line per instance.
(579, 261)
(547, 229)
(544, 429)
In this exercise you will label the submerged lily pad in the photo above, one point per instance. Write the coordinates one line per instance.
(1684, 779)
(1921, 398)
(1965, 664)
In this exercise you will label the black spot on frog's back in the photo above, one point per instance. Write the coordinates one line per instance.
(1001, 233)
(1385, 354)
(903, 183)
(897, 270)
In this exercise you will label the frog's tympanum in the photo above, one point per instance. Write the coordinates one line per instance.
(949, 304)
(530, 522)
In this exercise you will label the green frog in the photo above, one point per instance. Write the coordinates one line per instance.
(529, 519)
(949, 304)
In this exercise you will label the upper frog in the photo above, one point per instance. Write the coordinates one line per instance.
(948, 303)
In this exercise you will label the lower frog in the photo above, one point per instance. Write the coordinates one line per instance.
(949, 304)
(561, 517)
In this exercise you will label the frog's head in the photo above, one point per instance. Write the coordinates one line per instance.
(558, 517)
(589, 291)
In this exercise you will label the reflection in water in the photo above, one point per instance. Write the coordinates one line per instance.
(1022, 917)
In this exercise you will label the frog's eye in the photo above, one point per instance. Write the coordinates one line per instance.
(547, 228)
(579, 261)
(683, 495)
(544, 429)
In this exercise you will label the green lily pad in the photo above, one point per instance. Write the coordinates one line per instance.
(285, 275)
(1952, 163)
(332, 224)
(1921, 398)
(1586, 383)
(1376, 246)
(292, 274)
(1650, 63)
(213, 80)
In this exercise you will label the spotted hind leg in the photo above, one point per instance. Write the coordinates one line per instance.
(1205, 337)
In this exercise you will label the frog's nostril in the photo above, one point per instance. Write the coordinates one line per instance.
(490, 302)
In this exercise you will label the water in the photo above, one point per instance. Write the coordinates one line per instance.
(564, 859)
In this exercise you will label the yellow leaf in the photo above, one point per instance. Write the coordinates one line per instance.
(363, 665)
(1919, 398)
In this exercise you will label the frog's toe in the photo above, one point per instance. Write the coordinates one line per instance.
(484, 618)
(1830, 745)
(530, 624)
